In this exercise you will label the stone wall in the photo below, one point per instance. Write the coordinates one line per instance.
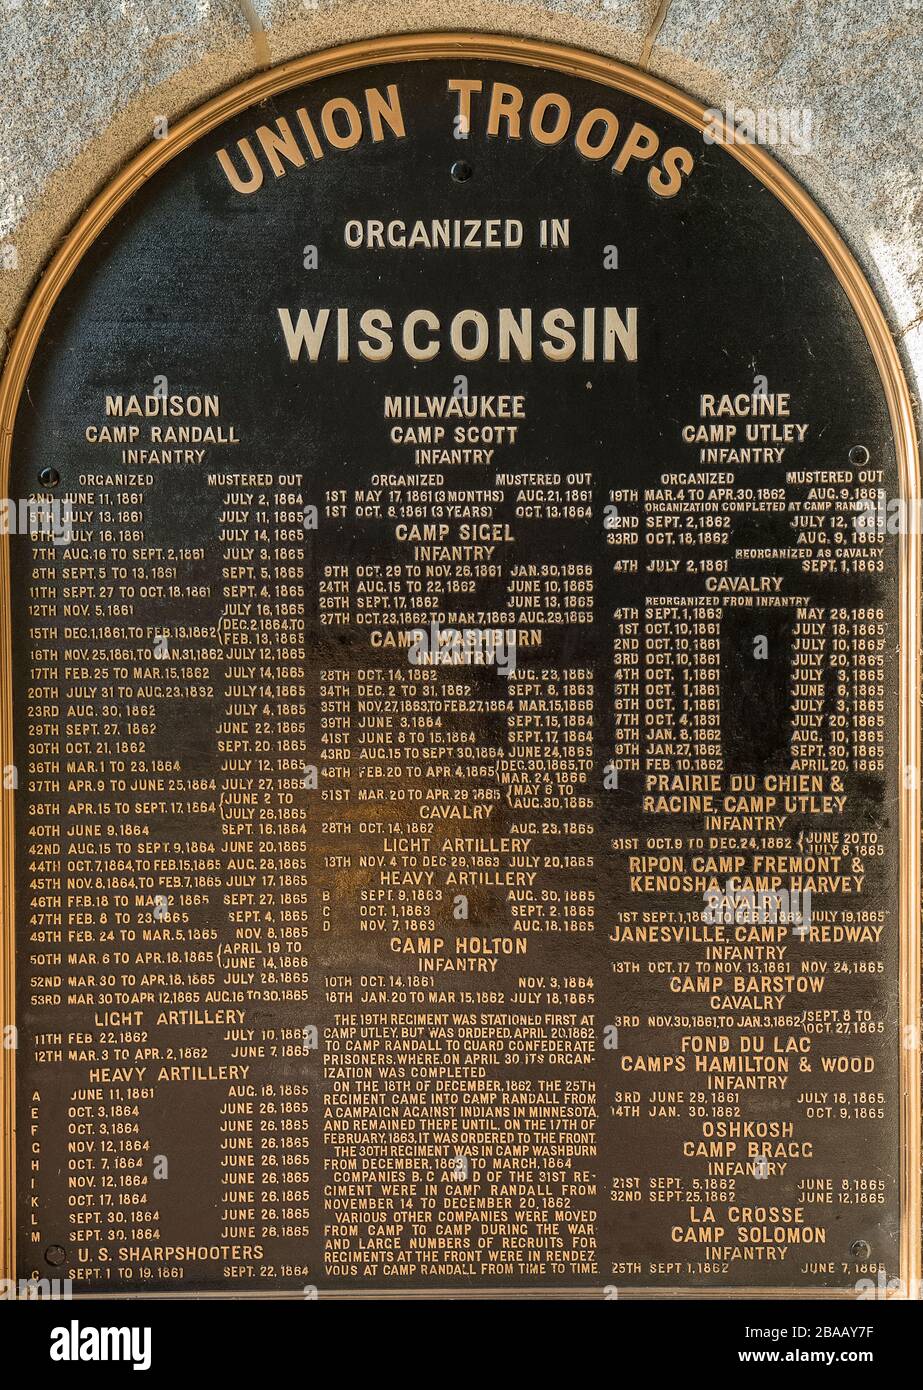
(86, 82)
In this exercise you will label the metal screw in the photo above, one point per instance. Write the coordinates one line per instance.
(461, 172)
(858, 455)
(55, 1255)
(860, 1250)
(49, 477)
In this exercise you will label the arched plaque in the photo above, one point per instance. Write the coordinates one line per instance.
(460, 702)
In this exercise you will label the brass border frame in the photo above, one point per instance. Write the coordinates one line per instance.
(610, 73)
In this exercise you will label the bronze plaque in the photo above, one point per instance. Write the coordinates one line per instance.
(460, 707)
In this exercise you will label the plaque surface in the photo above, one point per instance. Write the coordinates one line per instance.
(459, 685)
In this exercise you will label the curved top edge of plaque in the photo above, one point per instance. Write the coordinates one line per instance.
(607, 72)
(577, 62)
